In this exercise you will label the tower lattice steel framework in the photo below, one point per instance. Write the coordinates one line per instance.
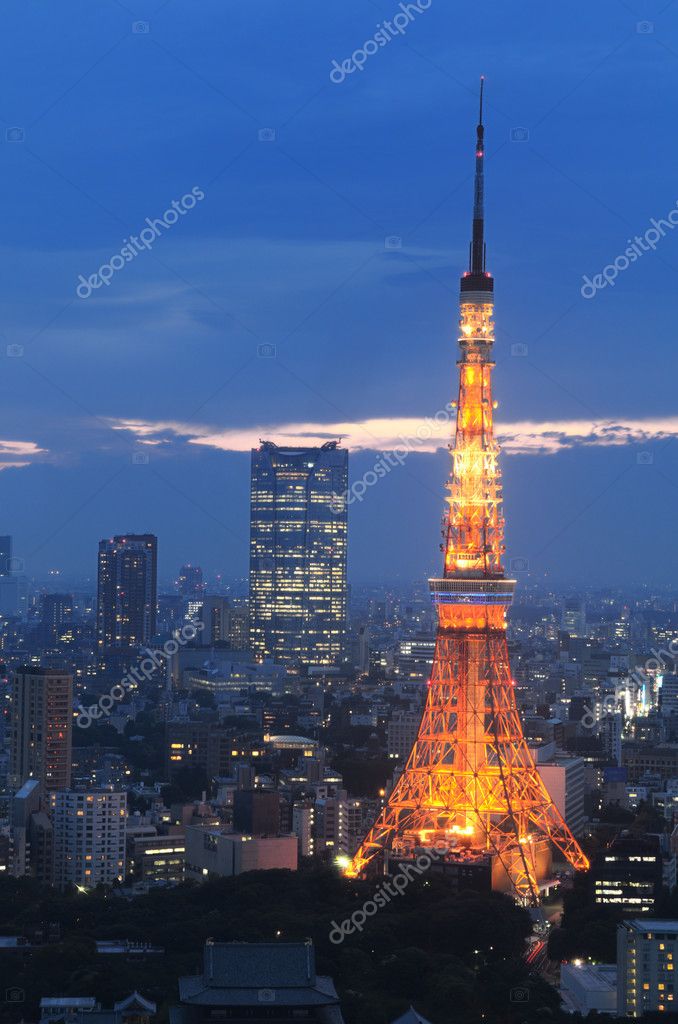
(470, 781)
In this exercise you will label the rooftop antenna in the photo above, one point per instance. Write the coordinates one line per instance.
(477, 254)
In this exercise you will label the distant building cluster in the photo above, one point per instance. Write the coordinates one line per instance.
(270, 733)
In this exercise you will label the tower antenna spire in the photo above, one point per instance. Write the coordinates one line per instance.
(477, 250)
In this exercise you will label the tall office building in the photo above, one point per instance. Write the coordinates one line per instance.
(573, 619)
(298, 539)
(303, 822)
(89, 837)
(42, 716)
(127, 590)
(628, 874)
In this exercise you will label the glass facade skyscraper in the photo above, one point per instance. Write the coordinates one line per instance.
(298, 540)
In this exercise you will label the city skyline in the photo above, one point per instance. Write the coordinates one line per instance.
(355, 211)
(336, 357)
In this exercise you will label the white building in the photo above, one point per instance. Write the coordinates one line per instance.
(303, 819)
(647, 951)
(402, 732)
(565, 780)
(587, 987)
(89, 837)
(339, 823)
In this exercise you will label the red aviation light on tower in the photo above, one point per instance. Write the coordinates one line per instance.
(470, 783)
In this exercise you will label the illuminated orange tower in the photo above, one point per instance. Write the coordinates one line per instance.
(470, 784)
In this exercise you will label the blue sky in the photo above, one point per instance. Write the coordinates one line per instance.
(287, 249)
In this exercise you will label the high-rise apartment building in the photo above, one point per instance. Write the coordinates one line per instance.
(12, 595)
(303, 821)
(127, 590)
(89, 837)
(42, 717)
(647, 953)
(339, 823)
(56, 610)
(298, 540)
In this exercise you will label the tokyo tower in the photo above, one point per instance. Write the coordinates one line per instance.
(470, 785)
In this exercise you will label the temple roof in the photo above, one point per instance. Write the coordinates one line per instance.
(242, 974)
(411, 1017)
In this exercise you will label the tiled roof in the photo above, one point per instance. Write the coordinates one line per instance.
(261, 964)
(245, 974)
(411, 1017)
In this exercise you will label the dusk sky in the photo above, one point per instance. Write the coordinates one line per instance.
(313, 290)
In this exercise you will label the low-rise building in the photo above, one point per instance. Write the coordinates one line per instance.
(154, 858)
(587, 988)
(85, 1010)
(211, 852)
